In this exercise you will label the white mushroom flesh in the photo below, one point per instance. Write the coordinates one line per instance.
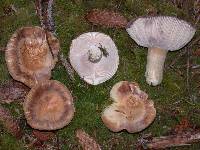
(94, 54)
(155, 64)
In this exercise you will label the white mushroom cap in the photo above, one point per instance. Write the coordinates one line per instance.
(92, 63)
(165, 32)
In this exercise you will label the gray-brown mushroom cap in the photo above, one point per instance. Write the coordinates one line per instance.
(49, 106)
(131, 110)
(165, 32)
(31, 54)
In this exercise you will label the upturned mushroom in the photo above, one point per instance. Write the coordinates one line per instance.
(49, 106)
(131, 110)
(160, 34)
(94, 57)
(31, 54)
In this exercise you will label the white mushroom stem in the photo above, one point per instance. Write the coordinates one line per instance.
(94, 55)
(155, 64)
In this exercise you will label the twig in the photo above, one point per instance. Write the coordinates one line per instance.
(49, 17)
(67, 66)
(196, 8)
(195, 67)
(188, 71)
(13, 8)
(177, 70)
(57, 143)
(197, 20)
(187, 50)
(185, 138)
(38, 8)
(183, 52)
(44, 11)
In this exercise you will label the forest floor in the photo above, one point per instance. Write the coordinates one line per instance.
(174, 98)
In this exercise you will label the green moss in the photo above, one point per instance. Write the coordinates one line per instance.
(7, 142)
(4, 75)
(91, 100)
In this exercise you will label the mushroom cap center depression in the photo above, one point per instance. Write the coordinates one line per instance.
(94, 54)
(132, 108)
(32, 53)
(51, 106)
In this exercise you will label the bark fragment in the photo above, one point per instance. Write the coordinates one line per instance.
(86, 141)
(12, 91)
(11, 124)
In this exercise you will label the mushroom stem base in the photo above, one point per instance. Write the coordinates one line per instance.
(155, 64)
(95, 55)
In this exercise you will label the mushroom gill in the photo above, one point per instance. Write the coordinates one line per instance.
(160, 34)
(94, 56)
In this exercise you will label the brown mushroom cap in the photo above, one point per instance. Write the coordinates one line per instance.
(131, 110)
(31, 55)
(49, 106)
(124, 88)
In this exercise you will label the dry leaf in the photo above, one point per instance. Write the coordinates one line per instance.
(86, 141)
(10, 123)
(12, 91)
(43, 135)
(106, 18)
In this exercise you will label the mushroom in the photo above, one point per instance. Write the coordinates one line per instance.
(131, 110)
(160, 34)
(49, 106)
(31, 54)
(94, 57)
